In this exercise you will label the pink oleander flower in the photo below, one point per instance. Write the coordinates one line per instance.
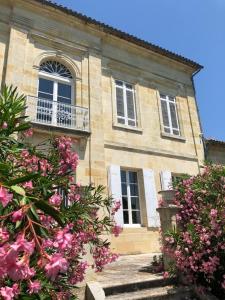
(55, 200)
(116, 230)
(56, 264)
(5, 196)
(116, 207)
(161, 202)
(213, 213)
(165, 275)
(79, 273)
(28, 185)
(28, 133)
(63, 239)
(4, 125)
(34, 287)
(9, 293)
(17, 215)
(4, 235)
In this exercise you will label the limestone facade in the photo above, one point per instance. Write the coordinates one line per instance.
(32, 32)
(215, 151)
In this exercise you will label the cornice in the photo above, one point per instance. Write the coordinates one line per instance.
(148, 150)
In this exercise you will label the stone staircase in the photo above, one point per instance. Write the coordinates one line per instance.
(156, 289)
(130, 279)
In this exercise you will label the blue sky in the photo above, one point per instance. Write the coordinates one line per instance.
(192, 28)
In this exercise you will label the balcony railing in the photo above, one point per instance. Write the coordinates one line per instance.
(43, 111)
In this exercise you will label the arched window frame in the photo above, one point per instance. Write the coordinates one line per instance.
(58, 79)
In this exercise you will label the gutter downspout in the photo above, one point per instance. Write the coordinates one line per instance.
(198, 113)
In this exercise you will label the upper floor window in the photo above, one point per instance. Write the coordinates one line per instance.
(169, 115)
(125, 102)
(55, 94)
(55, 68)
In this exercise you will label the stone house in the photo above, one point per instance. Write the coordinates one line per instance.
(215, 151)
(129, 104)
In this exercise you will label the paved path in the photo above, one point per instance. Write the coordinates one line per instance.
(127, 269)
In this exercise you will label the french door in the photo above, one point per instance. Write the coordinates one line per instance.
(130, 198)
(54, 100)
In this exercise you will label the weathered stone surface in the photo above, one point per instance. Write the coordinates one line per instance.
(31, 33)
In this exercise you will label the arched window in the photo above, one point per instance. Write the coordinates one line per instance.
(55, 93)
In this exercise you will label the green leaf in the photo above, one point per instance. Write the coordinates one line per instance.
(23, 179)
(18, 189)
(48, 209)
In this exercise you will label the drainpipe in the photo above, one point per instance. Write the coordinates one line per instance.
(196, 104)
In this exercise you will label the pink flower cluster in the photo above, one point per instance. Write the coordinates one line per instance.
(69, 159)
(31, 240)
(198, 247)
(102, 256)
(5, 196)
(32, 163)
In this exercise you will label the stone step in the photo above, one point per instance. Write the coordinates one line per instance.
(122, 287)
(157, 293)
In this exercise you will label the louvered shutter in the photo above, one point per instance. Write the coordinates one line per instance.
(119, 102)
(114, 180)
(166, 180)
(151, 198)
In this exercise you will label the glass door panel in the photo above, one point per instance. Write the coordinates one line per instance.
(45, 100)
(64, 109)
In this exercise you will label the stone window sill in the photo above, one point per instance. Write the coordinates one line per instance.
(128, 128)
(173, 137)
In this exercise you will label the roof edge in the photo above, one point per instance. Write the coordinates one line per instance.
(214, 142)
(123, 35)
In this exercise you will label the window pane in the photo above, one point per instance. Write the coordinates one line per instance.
(162, 96)
(173, 115)
(131, 123)
(133, 177)
(136, 219)
(125, 202)
(64, 90)
(130, 105)
(120, 83)
(125, 217)
(167, 130)
(121, 121)
(45, 96)
(123, 176)
(124, 189)
(120, 102)
(45, 86)
(129, 86)
(64, 100)
(172, 99)
(176, 132)
(135, 203)
(133, 189)
(165, 113)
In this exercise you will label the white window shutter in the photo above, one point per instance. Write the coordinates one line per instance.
(166, 180)
(151, 198)
(114, 179)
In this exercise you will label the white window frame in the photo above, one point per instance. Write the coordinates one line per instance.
(170, 127)
(129, 200)
(125, 118)
(56, 80)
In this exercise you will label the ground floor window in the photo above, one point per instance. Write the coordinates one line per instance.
(130, 197)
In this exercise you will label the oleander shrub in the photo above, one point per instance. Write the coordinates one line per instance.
(198, 244)
(47, 221)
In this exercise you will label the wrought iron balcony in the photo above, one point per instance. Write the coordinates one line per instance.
(58, 114)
